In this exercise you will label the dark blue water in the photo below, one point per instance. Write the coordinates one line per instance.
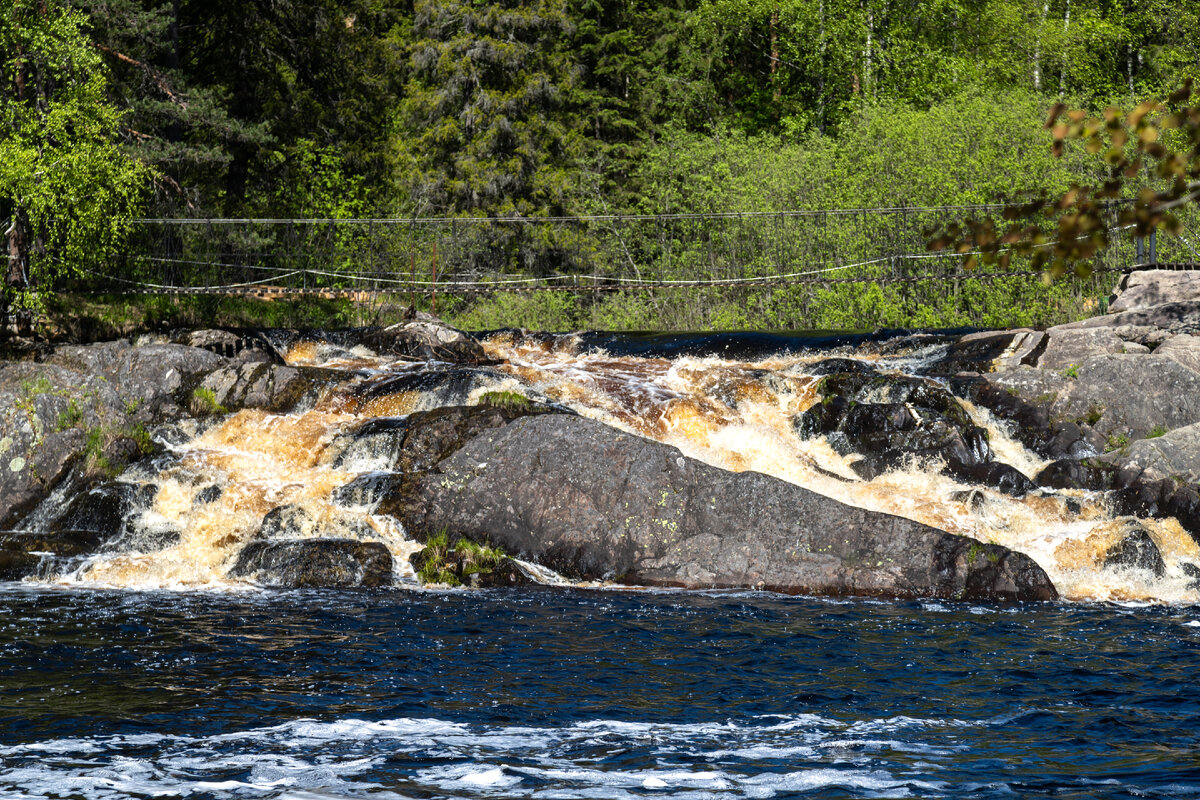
(563, 694)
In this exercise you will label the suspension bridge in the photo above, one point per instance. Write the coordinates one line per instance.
(734, 256)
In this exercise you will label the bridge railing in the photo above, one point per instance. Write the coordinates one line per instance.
(854, 267)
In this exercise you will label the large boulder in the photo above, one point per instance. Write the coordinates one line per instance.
(1147, 288)
(1175, 454)
(1070, 346)
(420, 440)
(1168, 318)
(154, 380)
(595, 503)
(256, 385)
(52, 421)
(986, 351)
(1184, 349)
(426, 338)
(1116, 395)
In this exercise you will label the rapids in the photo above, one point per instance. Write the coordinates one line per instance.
(216, 483)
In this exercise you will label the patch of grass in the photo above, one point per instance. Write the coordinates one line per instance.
(451, 566)
(436, 568)
(1072, 371)
(1093, 415)
(39, 385)
(1156, 431)
(504, 400)
(141, 437)
(476, 558)
(204, 403)
(1014, 391)
(1045, 399)
(70, 417)
(94, 460)
(1117, 441)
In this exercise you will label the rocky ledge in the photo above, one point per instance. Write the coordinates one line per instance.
(1111, 403)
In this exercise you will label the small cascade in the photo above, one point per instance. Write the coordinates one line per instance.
(187, 516)
(740, 416)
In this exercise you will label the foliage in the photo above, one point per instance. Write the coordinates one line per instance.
(504, 400)
(1151, 152)
(228, 101)
(434, 568)
(451, 566)
(481, 124)
(204, 403)
(546, 311)
(67, 190)
(518, 109)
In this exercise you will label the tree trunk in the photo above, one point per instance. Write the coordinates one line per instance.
(1062, 75)
(1037, 50)
(866, 78)
(776, 93)
(821, 73)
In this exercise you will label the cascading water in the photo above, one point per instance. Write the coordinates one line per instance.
(210, 493)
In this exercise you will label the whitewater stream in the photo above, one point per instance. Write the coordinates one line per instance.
(215, 488)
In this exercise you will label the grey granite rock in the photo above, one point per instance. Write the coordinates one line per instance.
(594, 502)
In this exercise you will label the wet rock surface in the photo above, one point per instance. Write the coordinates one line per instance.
(438, 386)
(420, 440)
(1109, 405)
(257, 385)
(315, 563)
(898, 421)
(25, 554)
(595, 503)
(426, 339)
(1136, 550)
(54, 421)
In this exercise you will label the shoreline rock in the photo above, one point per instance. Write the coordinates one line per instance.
(595, 503)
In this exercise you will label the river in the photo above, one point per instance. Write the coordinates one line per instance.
(150, 673)
(590, 694)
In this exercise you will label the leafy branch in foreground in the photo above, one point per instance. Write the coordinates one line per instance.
(1154, 143)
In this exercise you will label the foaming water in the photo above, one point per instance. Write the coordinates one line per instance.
(738, 415)
(589, 694)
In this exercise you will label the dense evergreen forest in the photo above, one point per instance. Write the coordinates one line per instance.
(449, 107)
(547, 108)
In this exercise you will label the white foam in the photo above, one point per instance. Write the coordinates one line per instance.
(310, 759)
(491, 778)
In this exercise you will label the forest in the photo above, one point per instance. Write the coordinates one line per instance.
(554, 108)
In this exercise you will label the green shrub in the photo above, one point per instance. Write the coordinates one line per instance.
(511, 400)
(204, 403)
